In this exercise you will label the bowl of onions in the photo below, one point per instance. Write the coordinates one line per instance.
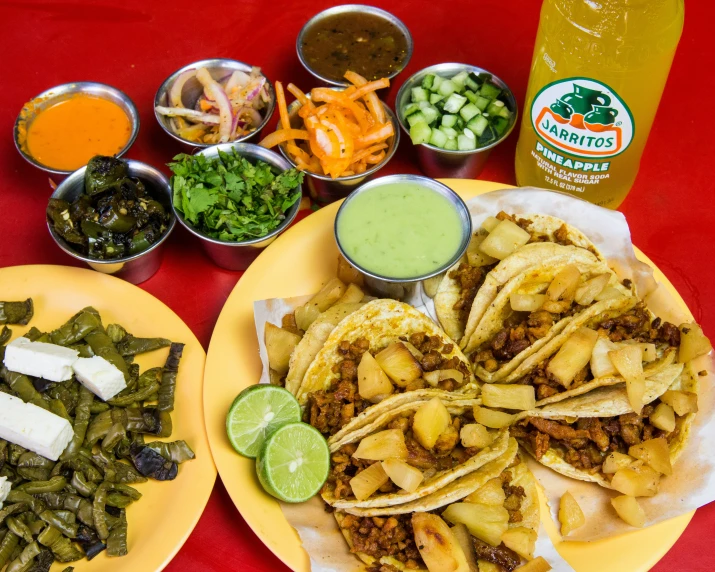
(214, 101)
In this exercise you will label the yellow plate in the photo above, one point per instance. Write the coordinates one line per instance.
(299, 262)
(162, 520)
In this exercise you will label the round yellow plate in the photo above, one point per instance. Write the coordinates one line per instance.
(162, 520)
(298, 263)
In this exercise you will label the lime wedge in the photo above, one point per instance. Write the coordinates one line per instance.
(256, 413)
(293, 463)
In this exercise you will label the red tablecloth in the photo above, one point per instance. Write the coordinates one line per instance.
(135, 44)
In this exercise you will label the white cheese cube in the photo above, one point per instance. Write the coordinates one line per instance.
(4, 489)
(101, 377)
(33, 428)
(48, 361)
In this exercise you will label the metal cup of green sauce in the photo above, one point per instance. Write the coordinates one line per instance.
(363, 39)
(135, 268)
(441, 163)
(401, 229)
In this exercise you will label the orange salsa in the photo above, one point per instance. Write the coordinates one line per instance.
(69, 133)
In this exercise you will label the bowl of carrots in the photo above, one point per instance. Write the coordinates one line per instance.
(340, 137)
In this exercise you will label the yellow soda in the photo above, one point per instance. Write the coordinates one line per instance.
(597, 74)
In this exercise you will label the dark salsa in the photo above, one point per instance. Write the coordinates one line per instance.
(363, 43)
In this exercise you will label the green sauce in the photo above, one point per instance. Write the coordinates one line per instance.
(400, 230)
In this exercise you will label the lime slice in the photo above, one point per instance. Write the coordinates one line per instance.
(256, 413)
(293, 463)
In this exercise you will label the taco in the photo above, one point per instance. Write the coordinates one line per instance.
(504, 489)
(384, 348)
(576, 437)
(469, 286)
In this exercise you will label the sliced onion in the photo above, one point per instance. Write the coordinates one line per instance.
(216, 93)
(209, 118)
(178, 87)
(256, 90)
(253, 117)
(237, 79)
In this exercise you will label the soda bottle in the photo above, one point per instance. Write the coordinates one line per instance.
(597, 74)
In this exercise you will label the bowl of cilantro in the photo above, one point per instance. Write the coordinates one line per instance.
(236, 198)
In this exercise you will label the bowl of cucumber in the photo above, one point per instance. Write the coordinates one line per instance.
(455, 114)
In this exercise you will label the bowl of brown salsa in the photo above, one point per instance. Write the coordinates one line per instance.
(364, 39)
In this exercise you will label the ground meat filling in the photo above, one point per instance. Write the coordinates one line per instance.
(561, 235)
(470, 278)
(384, 536)
(635, 324)
(447, 454)
(586, 443)
(499, 555)
(514, 496)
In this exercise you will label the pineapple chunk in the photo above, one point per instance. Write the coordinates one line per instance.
(601, 365)
(693, 343)
(504, 239)
(464, 539)
(655, 453)
(663, 417)
(305, 315)
(490, 223)
(491, 493)
(538, 564)
(682, 402)
(413, 350)
(587, 292)
(521, 540)
(629, 510)
(431, 285)
(491, 418)
(403, 475)
(636, 482)
(486, 566)
(609, 293)
(280, 344)
(399, 364)
(570, 514)
(486, 522)
(628, 361)
(649, 352)
(373, 384)
(509, 396)
(366, 482)
(475, 257)
(348, 273)
(564, 284)
(387, 444)
(573, 356)
(476, 435)
(434, 377)
(430, 421)
(526, 302)
(438, 547)
(353, 294)
(329, 294)
(616, 461)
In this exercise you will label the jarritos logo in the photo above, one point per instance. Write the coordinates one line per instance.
(582, 117)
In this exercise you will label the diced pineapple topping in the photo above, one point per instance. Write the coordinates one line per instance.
(486, 522)
(387, 444)
(587, 292)
(682, 402)
(366, 482)
(491, 418)
(489, 224)
(636, 482)
(573, 356)
(693, 343)
(413, 350)
(280, 344)
(504, 239)
(629, 510)
(373, 383)
(462, 536)
(329, 294)
(353, 294)
(430, 421)
(609, 293)
(399, 364)
(564, 284)
(406, 477)
(616, 461)
(649, 352)
(439, 549)
(663, 417)
(570, 514)
(601, 365)
(509, 396)
(521, 540)
(491, 493)
(655, 453)
(628, 361)
(305, 315)
(476, 435)
(538, 564)
(434, 377)
(526, 302)
(475, 257)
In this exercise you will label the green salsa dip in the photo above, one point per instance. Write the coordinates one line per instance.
(399, 230)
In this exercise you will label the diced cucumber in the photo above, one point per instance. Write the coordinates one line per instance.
(495, 107)
(423, 104)
(438, 138)
(465, 143)
(500, 124)
(488, 136)
(411, 108)
(419, 94)
(482, 102)
(449, 120)
(439, 106)
(469, 111)
(471, 96)
(473, 82)
(459, 79)
(478, 124)
(420, 133)
(489, 90)
(417, 117)
(430, 113)
(428, 81)
(454, 103)
(460, 124)
(449, 132)
(435, 97)
(505, 113)
(447, 87)
(451, 144)
(485, 77)
(438, 80)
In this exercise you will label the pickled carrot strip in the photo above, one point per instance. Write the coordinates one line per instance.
(282, 135)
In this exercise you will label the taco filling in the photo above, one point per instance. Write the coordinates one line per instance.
(401, 367)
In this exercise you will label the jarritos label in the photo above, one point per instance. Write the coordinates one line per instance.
(582, 117)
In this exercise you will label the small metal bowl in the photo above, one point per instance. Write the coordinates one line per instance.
(63, 92)
(239, 255)
(440, 163)
(408, 288)
(218, 68)
(323, 188)
(138, 267)
(362, 9)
